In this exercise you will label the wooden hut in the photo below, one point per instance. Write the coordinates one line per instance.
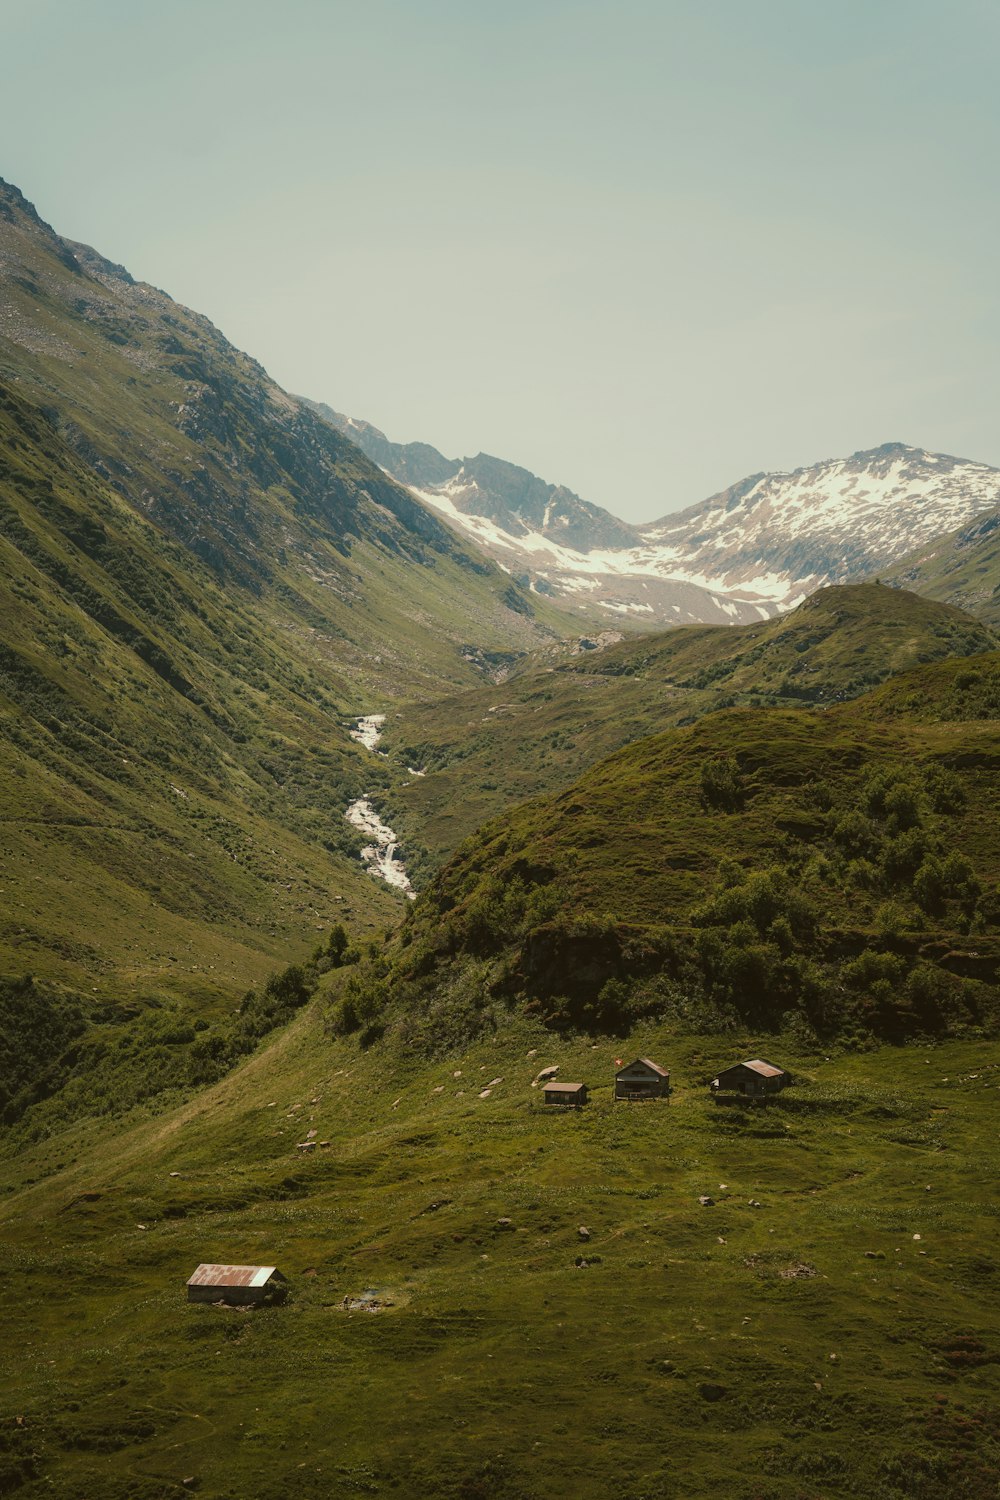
(237, 1285)
(642, 1079)
(756, 1079)
(566, 1095)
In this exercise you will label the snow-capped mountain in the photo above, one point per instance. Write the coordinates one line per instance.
(749, 552)
(785, 534)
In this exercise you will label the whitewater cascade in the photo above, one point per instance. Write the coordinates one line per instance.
(382, 854)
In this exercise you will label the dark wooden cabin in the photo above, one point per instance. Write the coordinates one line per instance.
(756, 1079)
(237, 1285)
(566, 1095)
(642, 1079)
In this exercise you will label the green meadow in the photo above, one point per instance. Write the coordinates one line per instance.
(827, 1325)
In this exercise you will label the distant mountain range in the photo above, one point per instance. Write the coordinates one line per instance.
(749, 552)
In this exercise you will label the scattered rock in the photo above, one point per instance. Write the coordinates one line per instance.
(798, 1272)
(493, 1083)
(545, 1073)
(875, 1255)
(190, 1482)
(323, 1145)
(175, 1174)
(505, 1224)
(305, 1146)
(311, 1134)
(916, 1236)
(754, 1203)
(433, 1207)
(583, 1232)
(580, 1263)
(485, 1093)
(532, 1053)
(439, 1089)
(706, 1201)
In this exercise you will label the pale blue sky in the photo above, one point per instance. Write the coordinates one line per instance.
(643, 249)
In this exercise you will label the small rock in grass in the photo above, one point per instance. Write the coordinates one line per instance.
(580, 1263)
(175, 1174)
(311, 1134)
(875, 1255)
(505, 1223)
(583, 1232)
(706, 1201)
(754, 1203)
(485, 1093)
(710, 1390)
(916, 1236)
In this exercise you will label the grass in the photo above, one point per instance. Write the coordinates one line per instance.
(809, 1346)
(961, 569)
(486, 749)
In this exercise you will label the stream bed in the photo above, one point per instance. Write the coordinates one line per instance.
(382, 854)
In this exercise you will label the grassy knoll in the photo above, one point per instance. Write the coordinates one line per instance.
(826, 1327)
(838, 866)
(485, 749)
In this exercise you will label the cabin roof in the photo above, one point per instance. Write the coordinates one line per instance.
(564, 1088)
(647, 1062)
(765, 1069)
(212, 1275)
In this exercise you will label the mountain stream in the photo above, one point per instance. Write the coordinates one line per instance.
(382, 854)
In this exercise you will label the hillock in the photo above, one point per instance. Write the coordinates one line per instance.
(490, 747)
(836, 871)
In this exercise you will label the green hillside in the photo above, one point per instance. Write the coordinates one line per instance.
(835, 869)
(201, 584)
(486, 749)
(824, 1326)
(962, 568)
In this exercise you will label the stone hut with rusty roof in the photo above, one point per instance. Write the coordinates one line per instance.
(238, 1285)
(755, 1079)
(642, 1079)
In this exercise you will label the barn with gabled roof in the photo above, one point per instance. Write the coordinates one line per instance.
(756, 1079)
(237, 1285)
(642, 1079)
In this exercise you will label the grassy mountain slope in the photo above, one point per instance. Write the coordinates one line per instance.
(535, 733)
(962, 568)
(839, 868)
(200, 584)
(197, 438)
(824, 1327)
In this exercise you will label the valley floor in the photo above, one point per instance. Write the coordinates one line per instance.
(826, 1326)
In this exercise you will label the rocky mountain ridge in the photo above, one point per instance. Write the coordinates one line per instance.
(751, 551)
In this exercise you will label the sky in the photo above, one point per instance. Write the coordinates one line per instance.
(642, 248)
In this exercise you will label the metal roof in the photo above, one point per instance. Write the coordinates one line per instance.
(647, 1062)
(765, 1069)
(209, 1275)
(564, 1088)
